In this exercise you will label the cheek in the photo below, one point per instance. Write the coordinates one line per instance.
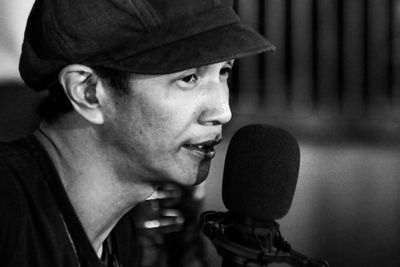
(149, 126)
(166, 118)
(156, 120)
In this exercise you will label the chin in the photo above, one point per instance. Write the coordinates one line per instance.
(194, 178)
(188, 176)
(202, 172)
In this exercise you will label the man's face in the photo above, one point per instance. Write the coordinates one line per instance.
(166, 129)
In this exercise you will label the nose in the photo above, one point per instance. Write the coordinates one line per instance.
(217, 110)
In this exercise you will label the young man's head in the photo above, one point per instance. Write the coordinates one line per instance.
(149, 77)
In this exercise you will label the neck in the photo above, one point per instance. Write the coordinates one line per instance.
(98, 193)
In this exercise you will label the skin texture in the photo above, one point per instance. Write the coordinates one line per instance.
(113, 151)
(150, 127)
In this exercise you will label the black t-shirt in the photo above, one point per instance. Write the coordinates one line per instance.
(38, 226)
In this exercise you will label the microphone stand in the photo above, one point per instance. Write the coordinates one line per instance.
(251, 243)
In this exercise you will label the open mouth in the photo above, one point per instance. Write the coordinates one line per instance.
(206, 149)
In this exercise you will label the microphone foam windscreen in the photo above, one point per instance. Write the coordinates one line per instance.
(260, 173)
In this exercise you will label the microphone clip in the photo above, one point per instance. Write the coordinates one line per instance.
(251, 243)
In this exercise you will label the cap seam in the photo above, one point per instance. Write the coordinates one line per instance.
(150, 11)
(62, 42)
(48, 17)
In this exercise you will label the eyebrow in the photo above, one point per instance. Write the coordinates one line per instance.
(199, 68)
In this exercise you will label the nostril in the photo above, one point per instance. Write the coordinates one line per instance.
(217, 115)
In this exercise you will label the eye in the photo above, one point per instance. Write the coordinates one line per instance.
(192, 78)
(226, 71)
(188, 80)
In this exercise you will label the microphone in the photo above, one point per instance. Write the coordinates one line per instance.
(259, 181)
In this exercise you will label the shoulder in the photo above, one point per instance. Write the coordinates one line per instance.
(18, 156)
(24, 169)
(11, 193)
(16, 170)
(17, 182)
(13, 204)
(10, 148)
(11, 153)
(13, 159)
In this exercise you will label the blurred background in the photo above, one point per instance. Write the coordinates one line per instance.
(333, 82)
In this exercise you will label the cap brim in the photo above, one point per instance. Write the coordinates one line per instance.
(220, 44)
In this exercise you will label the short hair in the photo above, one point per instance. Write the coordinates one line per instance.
(56, 103)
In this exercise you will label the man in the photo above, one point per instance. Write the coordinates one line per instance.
(137, 97)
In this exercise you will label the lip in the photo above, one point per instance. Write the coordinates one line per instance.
(204, 149)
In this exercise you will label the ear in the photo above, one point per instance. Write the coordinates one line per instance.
(84, 91)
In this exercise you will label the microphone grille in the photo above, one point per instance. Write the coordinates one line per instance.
(260, 173)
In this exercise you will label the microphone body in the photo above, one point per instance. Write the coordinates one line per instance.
(251, 243)
(260, 176)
